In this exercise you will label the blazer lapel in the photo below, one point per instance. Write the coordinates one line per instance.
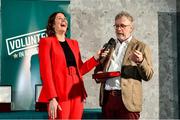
(73, 49)
(129, 49)
(59, 50)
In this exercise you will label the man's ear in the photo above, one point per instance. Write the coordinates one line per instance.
(132, 28)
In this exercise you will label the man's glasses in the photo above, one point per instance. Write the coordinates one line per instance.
(120, 26)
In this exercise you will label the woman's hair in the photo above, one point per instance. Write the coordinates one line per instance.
(49, 28)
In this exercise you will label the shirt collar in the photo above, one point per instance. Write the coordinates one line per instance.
(126, 41)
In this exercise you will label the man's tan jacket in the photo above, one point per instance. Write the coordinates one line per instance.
(132, 75)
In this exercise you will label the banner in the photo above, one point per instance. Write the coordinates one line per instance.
(23, 23)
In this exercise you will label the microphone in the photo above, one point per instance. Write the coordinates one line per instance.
(111, 44)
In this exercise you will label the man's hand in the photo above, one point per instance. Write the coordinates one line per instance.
(136, 56)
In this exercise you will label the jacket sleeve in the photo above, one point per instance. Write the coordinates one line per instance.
(145, 68)
(86, 66)
(46, 68)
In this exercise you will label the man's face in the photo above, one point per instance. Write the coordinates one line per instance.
(123, 28)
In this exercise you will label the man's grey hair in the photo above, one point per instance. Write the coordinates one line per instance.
(126, 14)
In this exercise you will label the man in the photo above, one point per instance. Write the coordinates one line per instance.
(121, 96)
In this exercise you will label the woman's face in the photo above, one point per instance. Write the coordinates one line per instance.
(60, 23)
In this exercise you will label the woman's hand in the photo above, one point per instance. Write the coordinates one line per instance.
(101, 53)
(53, 106)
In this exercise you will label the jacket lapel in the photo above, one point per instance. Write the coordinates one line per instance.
(129, 49)
(73, 48)
(58, 50)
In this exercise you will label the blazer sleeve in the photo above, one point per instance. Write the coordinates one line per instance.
(86, 66)
(46, 68)
(145, 68)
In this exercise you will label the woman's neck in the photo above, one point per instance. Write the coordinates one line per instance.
(60, 37)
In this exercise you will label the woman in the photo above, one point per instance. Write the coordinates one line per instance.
(61, 70)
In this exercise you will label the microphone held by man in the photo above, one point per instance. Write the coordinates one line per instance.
(108, 46)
